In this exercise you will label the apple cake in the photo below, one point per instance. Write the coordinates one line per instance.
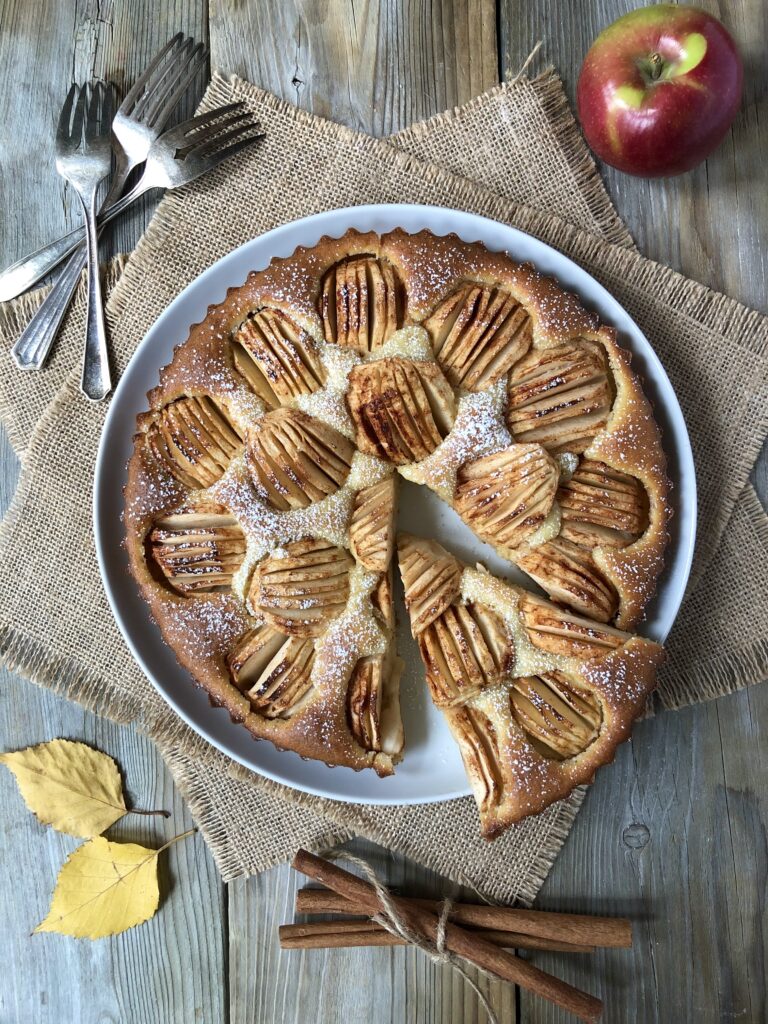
(261, 508)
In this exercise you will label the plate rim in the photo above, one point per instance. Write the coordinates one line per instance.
(685, 542)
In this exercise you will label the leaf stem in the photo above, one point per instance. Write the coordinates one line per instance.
(176, 839)
(134, 810)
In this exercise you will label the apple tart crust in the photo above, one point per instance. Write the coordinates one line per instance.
(261, 510)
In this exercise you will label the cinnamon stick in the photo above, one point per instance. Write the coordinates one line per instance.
(343, 934)
(459, 941)
(573, 929)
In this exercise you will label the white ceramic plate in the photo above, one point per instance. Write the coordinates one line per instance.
(431, 769)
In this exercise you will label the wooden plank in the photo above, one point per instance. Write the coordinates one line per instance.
(136, 32)
(172, 968)
(680, 849)
(53, 44)
(394, 985)
(376, 67)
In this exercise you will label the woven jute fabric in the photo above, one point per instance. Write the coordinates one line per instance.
(515, 155)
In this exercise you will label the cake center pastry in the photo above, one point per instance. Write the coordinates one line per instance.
(261, 511)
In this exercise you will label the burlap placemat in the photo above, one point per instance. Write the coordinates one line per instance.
(710, 345)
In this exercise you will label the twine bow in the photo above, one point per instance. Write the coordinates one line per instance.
(391, 919)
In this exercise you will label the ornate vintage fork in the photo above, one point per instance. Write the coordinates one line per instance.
(175, 158)
(84, 158)
(139, 120)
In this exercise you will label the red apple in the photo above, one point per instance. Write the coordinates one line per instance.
(659, 89)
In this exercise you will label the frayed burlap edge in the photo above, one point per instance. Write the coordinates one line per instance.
(744, 667)
(26, 652)
(549, 87)
(203, 806)
(14, 317)
(348, 816)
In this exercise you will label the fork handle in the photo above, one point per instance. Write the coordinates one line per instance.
(34, 345)
(32, 268)
(31, 350)
(95, 382)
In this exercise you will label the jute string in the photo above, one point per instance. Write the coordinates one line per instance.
(527, 62)
(391, 919)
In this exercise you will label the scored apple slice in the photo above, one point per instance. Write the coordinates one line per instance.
(477, 334)
(560, 397)
(373, 705)
(198, 549)
(372, 528)
(402, 408)
(361, 303)
(568, 573)
(558, 631)
(296, 459)
(276, 357)
(506, 496)
(602, 506)
(465, 650)
(304, 588)
(560, 717)
(273, 670)
(431, 579)
(195, 439)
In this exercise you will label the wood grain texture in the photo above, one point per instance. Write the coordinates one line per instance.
(170, 969)
(396, 986)
(46, 45)
(674, 834)
(712, 224)
(681, 849)
(374, 65)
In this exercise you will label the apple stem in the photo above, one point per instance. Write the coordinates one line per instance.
(657, 65)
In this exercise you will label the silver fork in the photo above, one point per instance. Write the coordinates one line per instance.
(140, 118)
(176, 158)
(84, 158)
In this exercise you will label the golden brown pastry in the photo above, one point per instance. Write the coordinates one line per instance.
(536, 697)
(261, 510)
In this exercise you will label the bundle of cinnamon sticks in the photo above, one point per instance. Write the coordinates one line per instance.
(482, 935)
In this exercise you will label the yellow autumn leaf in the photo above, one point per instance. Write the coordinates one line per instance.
(69, 785)
(105, 888)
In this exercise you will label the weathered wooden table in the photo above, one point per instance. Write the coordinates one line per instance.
(674, 834)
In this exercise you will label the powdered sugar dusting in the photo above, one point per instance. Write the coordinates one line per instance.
(548, 529)
(479, 587)
(267, 529)
(410, 342)
(355, 634)
(204, 627)
(478, 430)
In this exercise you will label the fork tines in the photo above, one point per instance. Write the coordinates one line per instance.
(157, 91)
(90, 105)
(220, 132)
